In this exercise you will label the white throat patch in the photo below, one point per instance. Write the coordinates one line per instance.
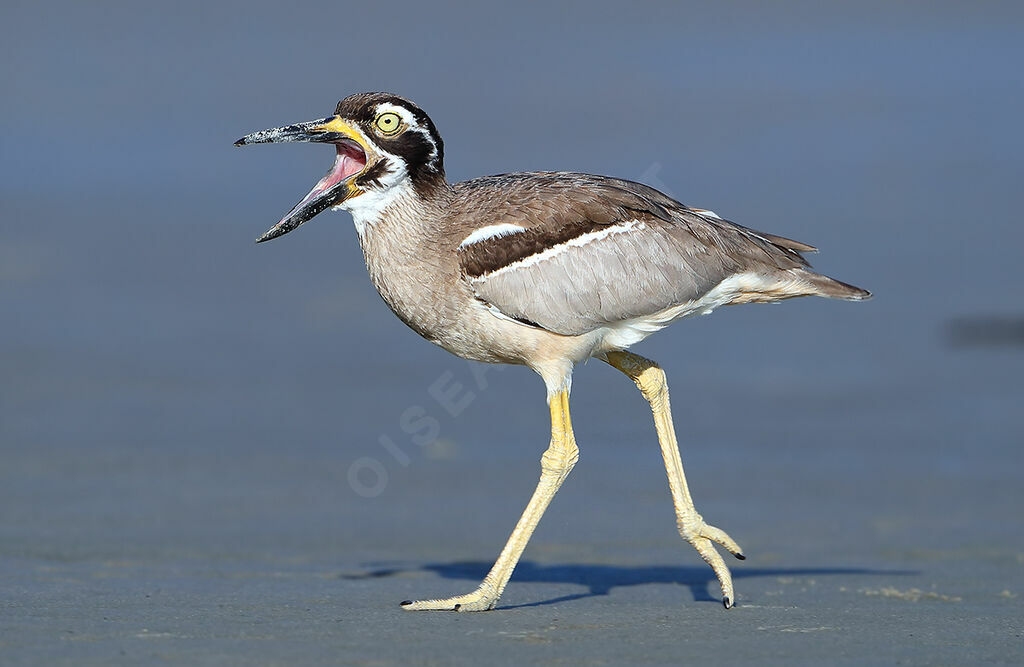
(368, 207)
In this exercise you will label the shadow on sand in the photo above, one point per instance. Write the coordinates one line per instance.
(600, 579)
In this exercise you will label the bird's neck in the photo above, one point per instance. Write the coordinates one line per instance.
(405, 203)
(402, 242)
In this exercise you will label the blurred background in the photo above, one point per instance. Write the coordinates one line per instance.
(182, 411)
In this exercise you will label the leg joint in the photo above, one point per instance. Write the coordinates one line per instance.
(652, 382)
(559, 458)
(647, 375)
(689, 523)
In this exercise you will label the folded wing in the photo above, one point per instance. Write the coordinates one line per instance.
(599, 251)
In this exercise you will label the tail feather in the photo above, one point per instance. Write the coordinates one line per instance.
(832, 288)
(788, 244)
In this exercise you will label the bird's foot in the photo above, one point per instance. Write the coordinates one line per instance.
(482, 599)
(703, 538)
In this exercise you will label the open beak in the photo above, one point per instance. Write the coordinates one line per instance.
(352, 158)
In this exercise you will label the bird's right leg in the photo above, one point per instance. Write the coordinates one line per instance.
(555, 465)
(649, 377)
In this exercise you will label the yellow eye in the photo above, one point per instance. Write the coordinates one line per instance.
(388, 123)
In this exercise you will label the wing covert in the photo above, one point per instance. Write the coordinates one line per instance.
(574, 254)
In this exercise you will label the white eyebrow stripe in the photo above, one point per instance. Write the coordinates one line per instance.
(405, 114)
(490, 232)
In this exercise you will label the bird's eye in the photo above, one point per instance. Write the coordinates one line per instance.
(388, 123)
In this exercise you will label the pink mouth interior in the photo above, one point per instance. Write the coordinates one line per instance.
(349, 161)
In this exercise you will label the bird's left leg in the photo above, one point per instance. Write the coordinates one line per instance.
(649, 377)
(555, 465)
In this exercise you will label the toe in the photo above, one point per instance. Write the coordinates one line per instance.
(475, 601)
(719, 536)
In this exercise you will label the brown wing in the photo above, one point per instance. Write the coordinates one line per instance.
(592, 250)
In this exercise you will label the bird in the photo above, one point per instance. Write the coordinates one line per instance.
(544, 270)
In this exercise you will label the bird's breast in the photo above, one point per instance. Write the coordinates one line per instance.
(417, 278)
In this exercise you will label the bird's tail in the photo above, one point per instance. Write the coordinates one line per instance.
(832, 288)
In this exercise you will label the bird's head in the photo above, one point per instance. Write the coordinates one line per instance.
(382, 142)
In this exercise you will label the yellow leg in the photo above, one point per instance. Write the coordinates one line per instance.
(649, 377)
(555, 465)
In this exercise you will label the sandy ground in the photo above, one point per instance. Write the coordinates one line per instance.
(216, 505)
(213, 453)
